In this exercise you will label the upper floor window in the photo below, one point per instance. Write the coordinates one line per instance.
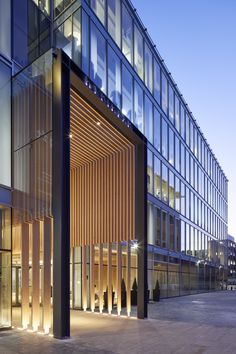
(114, 77)
(113, 19)
(171, 104)
(148, 68)
(98, 58)
(138, 106)
(98, 7)
(157, 82)
(138, 52)
(127, 34)
(127, 93)
(164, 93)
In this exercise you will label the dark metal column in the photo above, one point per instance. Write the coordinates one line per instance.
(141, 227)
(61, 195)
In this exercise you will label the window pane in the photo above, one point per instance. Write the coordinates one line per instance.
(164, 139)
(157, 177)
(148, 120)
(5, 289)
(148, 67)
(182, 160)
(5, 228)
(177, 153)
(138, 106)
(5, 124)
(157, 82)
(76, 46)
(164, 183)
(157, 130)
(171, 147)
(177, 118)
(164, 93)
(114, 79)
(138, 52)
(113, 20)
(171, 190)
(150, 172)
(5, 27)
(98, 7)
(164, 229)
(127, 34)
(172, 233)
(127, 93)
(182, 202)
(182, 117)
(64, 37)
(98, 58)
(85, 43)
(171, 104)
(177, 193)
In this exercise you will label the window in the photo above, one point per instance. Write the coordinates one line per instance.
(164, 93)
(182, 236)
(157, 129)
(150, 172)
(177, 118)
(148, 68)
(5, 124)
(187, 166)
(127, 93)
(157, 177)
(127, 34)
(113, 20)
(157, 82)
(164, 229)
(171, 104)
(187, 129)
(138, 52)
(182, 165)
(164, 139)
(98, 6)
(148, 119)
(182, 117)
(177, 194)
(5, 27)
(164, 184)
(98, 58)
(138, 106)
(76, 42)
(171, 147)
(114, 79)
(172, 233)
(85, 43)
(157, 226)
(64, 37)
(177, 153)
(171, 190)
(182, 201)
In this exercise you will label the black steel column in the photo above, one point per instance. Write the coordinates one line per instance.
(61, 195)
(141, 227)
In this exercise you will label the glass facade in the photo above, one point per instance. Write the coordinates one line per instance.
(182, 170)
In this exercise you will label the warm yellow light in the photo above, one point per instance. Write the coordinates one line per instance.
(98, 123)
(70, 135)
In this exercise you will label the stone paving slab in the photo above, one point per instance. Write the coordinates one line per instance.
(198, 324)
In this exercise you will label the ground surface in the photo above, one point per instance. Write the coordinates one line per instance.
(193, 324)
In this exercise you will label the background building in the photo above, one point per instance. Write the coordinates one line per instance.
(108, 165)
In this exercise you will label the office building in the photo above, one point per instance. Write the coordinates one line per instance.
(110, 194)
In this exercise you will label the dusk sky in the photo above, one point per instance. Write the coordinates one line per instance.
(197, 40)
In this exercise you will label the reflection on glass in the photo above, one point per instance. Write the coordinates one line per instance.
(177, 154)
(157, 130)
(164, 139)
(157, 82)
(114, 79)
(164, 93)
(148, 68)
(127, 34)
(182, 117)
(138, 106)
(64, 37)
(148, 120)
(171, 147)
(113, 19)
(98, 58)
(5, 27)
(164, 229)
(85, 43)
(5, 289)
(76, 44)
(164, 183)
(171, 104)
(127, 93)
(150, 172)
(157, 177)
(138, 52)
(98, 7)
(171, 190)
(177, 194)
(177, 118)
(172, 233)
(5, 228)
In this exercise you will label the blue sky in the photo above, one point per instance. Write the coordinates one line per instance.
(197, 40)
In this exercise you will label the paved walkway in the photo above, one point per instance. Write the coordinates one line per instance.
(194, 324)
